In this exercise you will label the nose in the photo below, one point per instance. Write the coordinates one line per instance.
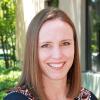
(57, 53)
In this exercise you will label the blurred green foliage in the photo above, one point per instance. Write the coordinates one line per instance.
(7, 32)
(8, 79)
(54, 3)
(95, 25)
(9, 70)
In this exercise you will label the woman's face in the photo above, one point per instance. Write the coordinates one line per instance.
(56, 49)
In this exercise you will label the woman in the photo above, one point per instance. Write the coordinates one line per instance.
(51, 68)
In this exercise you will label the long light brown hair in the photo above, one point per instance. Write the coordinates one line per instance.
(31, 73)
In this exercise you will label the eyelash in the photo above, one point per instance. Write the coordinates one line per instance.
(45, 46)
(65, 43)
(62, 44)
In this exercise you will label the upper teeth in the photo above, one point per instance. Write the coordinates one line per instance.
(56, 65)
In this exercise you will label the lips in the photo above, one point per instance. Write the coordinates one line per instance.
(56, 65)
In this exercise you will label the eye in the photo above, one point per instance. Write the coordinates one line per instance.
(45, 46)
(65, 43)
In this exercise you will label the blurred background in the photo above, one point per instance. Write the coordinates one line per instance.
(15, 16)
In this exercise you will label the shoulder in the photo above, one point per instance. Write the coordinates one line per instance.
(19, 93)
(86, 95)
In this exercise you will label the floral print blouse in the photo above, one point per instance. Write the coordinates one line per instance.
(24, 94)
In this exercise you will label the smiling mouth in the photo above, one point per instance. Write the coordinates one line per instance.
(56, 65)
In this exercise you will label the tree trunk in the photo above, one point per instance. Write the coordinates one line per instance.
(4, 53)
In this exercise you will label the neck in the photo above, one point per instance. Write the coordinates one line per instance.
(55, 89)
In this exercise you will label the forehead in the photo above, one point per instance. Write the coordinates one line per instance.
(54, 29)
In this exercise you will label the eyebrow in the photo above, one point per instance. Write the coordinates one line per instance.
(45, 42)
(68, 40)
(60, 41)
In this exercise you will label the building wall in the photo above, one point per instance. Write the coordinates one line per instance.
(25, 11)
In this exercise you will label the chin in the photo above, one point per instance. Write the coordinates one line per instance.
(57, 77)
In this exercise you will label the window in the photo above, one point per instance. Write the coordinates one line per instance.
(93, 35)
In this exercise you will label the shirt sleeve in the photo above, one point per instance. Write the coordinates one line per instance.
(16, 96)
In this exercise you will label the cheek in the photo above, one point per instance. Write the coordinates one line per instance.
(43, 55)
(69, 52)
